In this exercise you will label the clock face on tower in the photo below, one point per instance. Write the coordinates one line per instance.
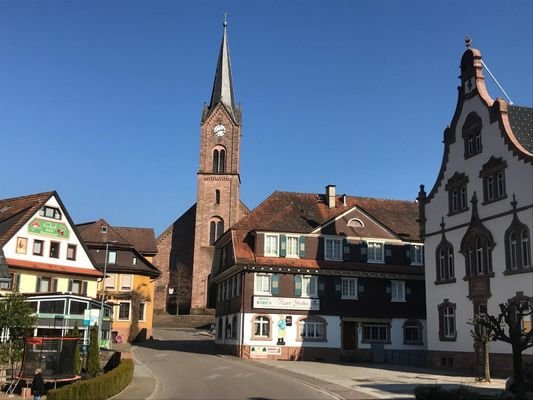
(219, 130)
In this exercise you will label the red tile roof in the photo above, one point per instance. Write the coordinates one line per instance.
(55, 268)
(305, 212)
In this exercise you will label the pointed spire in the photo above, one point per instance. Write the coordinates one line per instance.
(223, 85)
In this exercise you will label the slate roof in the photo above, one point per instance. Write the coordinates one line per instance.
(521, 120)
(16, 211)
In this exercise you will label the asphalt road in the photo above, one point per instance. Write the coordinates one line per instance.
(188, 366)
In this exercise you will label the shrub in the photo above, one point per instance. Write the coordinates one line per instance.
(100, 388)
(462, 393)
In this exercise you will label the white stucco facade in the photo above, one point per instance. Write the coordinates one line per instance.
(500, 146)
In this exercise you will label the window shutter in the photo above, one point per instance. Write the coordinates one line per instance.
(388, 253)
(361, 283)
(321, 286)
(38, 285)
(346, 256)
(408, 259)
(275, 284)
(282, 245)
(84, 288)
(298, 285)
(69, 285)
(441, 322)
(364, 251)
(338, 288)
(17, 282)
(407, 291)
(302, 246)
(388, 290)
(54, 285)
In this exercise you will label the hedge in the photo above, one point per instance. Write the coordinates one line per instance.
(100, 388)
(436, 392)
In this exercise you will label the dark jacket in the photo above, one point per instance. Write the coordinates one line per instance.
(37, 385)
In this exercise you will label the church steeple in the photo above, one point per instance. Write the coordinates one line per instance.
(223, 84)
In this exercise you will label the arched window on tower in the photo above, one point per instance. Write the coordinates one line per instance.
(219, 160)
(216, 229)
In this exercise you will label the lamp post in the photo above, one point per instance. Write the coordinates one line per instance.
(101, 316)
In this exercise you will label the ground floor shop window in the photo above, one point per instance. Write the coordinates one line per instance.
(313, 328)
(412, 332)
(376, 332)
(261, 327)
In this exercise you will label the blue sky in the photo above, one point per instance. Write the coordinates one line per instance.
(101, 100)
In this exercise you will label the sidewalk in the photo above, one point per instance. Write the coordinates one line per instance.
(381, 381)
(144, 383)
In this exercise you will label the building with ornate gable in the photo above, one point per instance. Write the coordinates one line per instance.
(477, 221)
(322, 277)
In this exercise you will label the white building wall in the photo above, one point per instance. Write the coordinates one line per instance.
(82, 259)
(519, 178)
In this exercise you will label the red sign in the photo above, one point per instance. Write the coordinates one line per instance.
(34, 340)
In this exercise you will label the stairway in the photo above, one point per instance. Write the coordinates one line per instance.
(183, 321)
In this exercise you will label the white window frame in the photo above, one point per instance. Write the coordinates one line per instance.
(118, 310)
(112, 257)
(260, 287)
(294, 251)
(397, 291)
(142, 318)
(126, 288)
(335, 253)
(108, 279)
(270, 250)
(264, 324)
(347, 291)
(448, 315)
(309, 286)
(417, 254)
(311, 328)
(373, 250)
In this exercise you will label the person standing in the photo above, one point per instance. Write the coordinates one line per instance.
(37, 384)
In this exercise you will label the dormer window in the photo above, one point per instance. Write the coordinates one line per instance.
(472, 135)
(103, 228)
(50, 212)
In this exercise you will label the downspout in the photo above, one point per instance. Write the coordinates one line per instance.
(241, 340)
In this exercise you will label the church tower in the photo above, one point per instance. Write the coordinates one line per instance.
(218, 203)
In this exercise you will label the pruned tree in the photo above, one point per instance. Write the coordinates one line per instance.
(483, 333)
(136, 297)
(508, 326)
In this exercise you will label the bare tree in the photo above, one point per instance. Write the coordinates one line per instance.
(508, 326)
(483, 333)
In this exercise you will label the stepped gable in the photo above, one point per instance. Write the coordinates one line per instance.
(16, 211)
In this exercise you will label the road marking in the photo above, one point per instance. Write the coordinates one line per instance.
(214, 376)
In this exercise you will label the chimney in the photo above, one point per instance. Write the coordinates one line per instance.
(330, 195)
(344, 202)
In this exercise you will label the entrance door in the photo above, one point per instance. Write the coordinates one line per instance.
(349, 335)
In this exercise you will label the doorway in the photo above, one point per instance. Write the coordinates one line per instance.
(349, 335)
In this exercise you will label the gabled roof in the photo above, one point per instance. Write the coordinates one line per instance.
(304, 212)
(122, 238)
(4, 270)
(16, 211)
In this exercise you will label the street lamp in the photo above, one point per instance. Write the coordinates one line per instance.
(101, 316)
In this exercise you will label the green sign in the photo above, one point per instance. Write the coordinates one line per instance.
(49, 228)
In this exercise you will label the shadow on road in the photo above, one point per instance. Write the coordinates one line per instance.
(199, 345)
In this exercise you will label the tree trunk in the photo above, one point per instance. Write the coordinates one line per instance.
(486, 355)
(518, 369)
